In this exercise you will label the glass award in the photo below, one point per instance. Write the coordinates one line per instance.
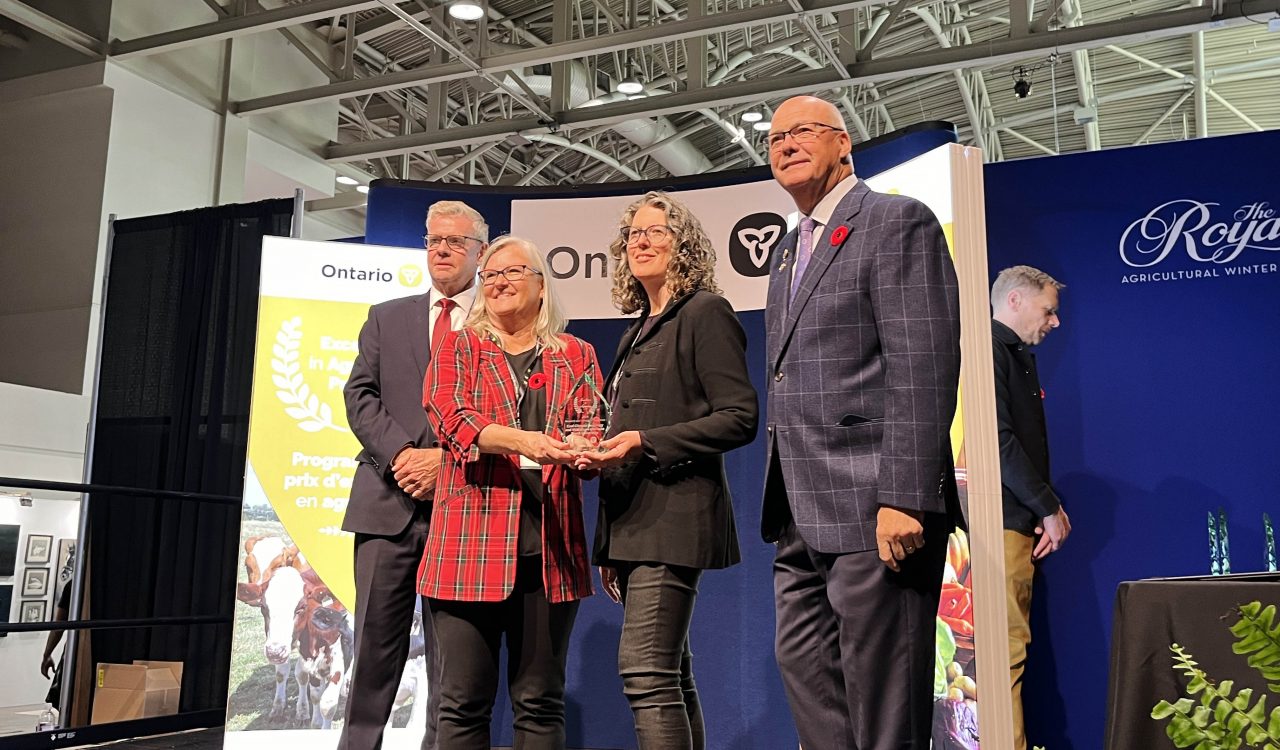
(583, 419)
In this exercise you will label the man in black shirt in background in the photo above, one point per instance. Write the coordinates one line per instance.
(1024, 302)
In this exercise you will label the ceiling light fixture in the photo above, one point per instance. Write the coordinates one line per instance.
(763, 125)
(466, 10)
(629, 86)
(1021, 83)
(1024, 76)
(752, 117)
(345, 180)
(362, 188)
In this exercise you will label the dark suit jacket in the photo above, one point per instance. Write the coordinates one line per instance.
(384, 409)
(1024, 442)
(685, 386)
(863, 370)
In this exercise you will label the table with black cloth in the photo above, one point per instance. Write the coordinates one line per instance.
(1151, 615)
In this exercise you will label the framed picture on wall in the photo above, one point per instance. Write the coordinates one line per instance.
(33, 611)
(39, 549)
(66, 565)
(35, 582)
(6, 604)
(8, 548)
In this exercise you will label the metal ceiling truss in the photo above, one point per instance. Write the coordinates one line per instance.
(526, 95)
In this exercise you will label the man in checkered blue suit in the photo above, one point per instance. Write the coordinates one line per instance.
(863, 357)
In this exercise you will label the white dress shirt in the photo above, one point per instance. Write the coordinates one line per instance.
(821, 214)
(462, 302)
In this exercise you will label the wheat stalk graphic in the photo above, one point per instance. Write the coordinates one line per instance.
(303, 406)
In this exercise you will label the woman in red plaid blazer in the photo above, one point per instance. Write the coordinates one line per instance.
(506, 554)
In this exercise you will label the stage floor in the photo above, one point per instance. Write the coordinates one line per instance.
(197, 739)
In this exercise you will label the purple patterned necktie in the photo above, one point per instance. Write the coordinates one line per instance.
(803, 253)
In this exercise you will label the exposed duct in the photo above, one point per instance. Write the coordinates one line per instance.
(679, 157)
(11, 35)
(563, 142)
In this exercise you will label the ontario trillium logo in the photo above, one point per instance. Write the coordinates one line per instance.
(410, 275)
(1210, 235)
(752, 241)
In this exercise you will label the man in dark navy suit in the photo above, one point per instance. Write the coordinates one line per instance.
(391, 494)
(863, 355)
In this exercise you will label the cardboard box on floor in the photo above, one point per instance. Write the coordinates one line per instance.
(136, 691)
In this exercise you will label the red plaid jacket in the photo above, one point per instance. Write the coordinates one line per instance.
(471, 546)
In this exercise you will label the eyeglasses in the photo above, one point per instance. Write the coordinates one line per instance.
(454, 241)
(805, 132)
(656, 234)
(489, 277)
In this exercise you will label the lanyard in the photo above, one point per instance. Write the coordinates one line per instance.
(617, 376)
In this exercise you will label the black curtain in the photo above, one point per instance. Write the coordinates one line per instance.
(173, 414)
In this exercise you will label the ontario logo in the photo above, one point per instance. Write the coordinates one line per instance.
(752, 241)
(1212, 237)
(410, 275)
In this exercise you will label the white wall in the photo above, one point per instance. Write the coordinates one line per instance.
(262, 64)
(90, 142)
(20, 652)
(163, 151)
(54, 148)
(134, 139)
(42, 433)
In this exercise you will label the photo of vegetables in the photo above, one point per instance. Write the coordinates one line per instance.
(955, 692)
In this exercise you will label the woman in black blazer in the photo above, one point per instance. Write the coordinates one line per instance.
(681, 398)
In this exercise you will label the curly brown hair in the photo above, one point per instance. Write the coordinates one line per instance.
(693, 259)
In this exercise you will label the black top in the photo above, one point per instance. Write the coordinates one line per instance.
(684, 385)
(533, 416)
(645, 327)
(1024, 441)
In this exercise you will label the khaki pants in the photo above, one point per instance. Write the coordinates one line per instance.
(1018, 573)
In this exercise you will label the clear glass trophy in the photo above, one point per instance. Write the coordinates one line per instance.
(583, 419)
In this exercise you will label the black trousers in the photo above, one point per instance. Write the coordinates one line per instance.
(654, 659)
(855, 643)
(386, 571)
(470, 636)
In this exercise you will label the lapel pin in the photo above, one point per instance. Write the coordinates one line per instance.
(840, 234)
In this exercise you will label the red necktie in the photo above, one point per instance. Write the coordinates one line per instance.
(444, 324)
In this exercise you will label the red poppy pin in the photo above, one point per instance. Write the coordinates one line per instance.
(839, 236)
(1042, 394)
(537, 380)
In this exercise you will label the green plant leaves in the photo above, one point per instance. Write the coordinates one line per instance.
(1258, 636)
(1220, 717)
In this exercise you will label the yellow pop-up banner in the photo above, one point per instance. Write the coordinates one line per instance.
(297, 571)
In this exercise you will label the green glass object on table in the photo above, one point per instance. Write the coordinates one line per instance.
(1224, 547)
(1271, 543)
(1215, 553)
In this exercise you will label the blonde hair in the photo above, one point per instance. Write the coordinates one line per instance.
(1021, 277)
(458, 208)
(550, 322)
(693, 259)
